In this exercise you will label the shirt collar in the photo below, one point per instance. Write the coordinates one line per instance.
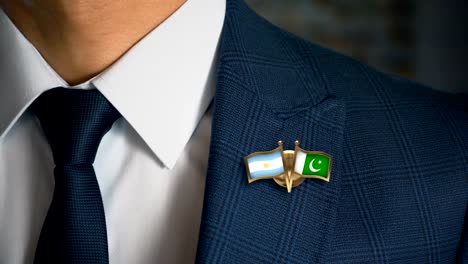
(162, 86)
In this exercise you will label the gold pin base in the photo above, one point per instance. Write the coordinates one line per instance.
(289, 179)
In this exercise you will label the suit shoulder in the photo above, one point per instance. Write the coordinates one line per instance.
(342, 74)
(366, 89)
(285, 65)
(353, 80)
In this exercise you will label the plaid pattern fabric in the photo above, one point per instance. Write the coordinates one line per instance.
(399, 182)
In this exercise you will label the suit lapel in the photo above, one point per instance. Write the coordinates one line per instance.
(265, 93)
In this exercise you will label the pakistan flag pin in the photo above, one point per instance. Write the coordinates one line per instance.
(288, 168)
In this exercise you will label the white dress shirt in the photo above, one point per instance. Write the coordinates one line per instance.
(150, 166)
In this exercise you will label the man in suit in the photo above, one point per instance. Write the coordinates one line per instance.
(174, 111)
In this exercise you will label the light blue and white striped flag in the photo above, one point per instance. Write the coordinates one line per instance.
(265, 165)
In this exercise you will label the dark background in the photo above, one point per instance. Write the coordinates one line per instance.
(423, 40)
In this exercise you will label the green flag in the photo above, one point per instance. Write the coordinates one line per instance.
(313, 163)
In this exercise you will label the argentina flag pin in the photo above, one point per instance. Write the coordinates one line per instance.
(288, 168)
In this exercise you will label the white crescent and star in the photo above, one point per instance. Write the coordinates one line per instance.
(311, 166)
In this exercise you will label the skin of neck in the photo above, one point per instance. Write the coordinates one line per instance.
(81, 38)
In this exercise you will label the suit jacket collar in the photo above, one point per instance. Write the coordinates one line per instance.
(269, 88)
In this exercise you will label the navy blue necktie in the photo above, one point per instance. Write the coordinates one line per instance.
(74, 122)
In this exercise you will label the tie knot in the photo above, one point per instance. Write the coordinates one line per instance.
(74, 122)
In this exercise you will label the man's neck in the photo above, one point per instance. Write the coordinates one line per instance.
(81, 38)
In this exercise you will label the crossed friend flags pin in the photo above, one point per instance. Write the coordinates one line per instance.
(288, 168)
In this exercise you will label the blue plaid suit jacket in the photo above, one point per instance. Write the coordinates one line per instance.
(399, 183)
